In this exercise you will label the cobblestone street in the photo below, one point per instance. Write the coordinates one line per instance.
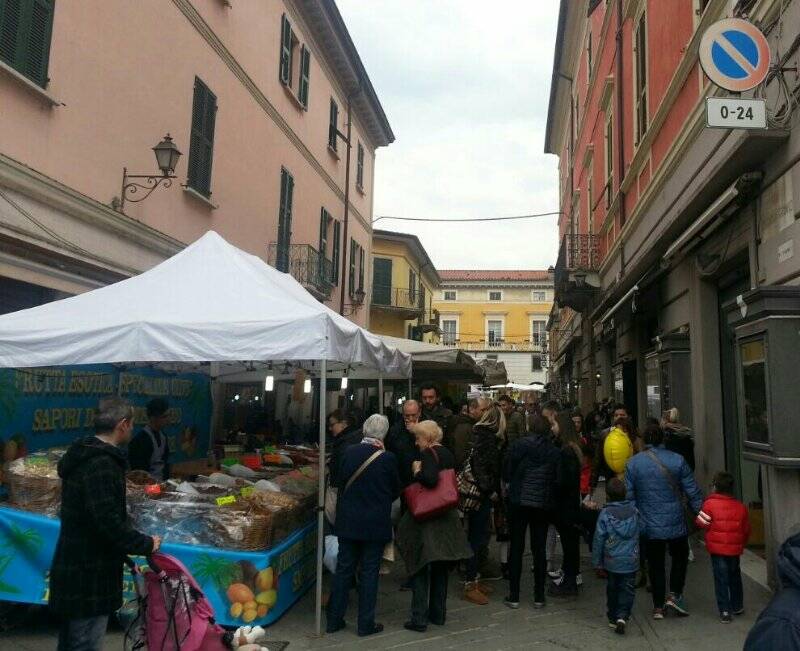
(564, 624)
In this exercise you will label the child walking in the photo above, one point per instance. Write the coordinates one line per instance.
(727, 526)
(615, 553)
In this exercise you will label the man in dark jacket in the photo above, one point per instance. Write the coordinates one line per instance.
(369, 485)
(433, 409)
(778, 626)
(149, 450)
(515, 421)
(459, 441)
(400, 441)
(95, 537)
(345, 434)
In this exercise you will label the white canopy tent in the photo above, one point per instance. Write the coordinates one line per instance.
(211, 302)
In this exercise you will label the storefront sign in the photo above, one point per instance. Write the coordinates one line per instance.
(42, 408)
(243, 587)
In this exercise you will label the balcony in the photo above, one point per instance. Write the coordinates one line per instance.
(306, 265)
(495, 345)
(576, 277)
(406, 303)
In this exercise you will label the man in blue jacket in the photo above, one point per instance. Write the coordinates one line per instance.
(657, 481)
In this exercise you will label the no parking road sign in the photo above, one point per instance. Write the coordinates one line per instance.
(735, 55)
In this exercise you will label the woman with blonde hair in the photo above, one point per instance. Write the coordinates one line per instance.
(429, 548)
(677, 437)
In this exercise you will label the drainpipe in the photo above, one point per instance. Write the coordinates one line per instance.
(620, 130)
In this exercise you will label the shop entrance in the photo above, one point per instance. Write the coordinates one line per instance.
(746, 473)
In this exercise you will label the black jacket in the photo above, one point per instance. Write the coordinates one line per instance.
(778, 626)
(400, 442)
(86, 573)
(346, 438)
(532, 468)
(568, 493)
(364, 511)
(434, 460)
(681, 441)
(459, 438)
(485, 459)
(140, 452)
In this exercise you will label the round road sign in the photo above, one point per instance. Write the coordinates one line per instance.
(734, 54)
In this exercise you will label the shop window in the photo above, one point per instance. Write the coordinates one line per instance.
(201, 143)
(754, 387)
(26, 27)
(284, 221)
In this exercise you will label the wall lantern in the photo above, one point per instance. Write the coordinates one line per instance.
(167, 156)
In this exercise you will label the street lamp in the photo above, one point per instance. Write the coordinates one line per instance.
(167, 156)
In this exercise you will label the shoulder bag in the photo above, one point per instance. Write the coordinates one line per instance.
(688, 517)
(428, 503)
(469, 493)
(332, 494)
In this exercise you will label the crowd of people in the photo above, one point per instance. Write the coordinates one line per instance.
(540, 472)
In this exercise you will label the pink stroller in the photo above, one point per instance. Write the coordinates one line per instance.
(173, 613)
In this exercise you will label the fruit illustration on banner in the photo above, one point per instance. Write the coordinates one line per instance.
(254, 595)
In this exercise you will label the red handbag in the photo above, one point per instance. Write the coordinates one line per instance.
(428, 503)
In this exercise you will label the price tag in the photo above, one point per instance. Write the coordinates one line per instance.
(228, 499)
(735, 113)
(247, 491)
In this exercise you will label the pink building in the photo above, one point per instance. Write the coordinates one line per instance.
(256, 95)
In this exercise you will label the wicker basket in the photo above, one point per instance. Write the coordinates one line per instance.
(243, 526)
(31, 490)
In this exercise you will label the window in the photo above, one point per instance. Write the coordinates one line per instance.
(494, 332)
(589, 57)
(351, 273)
(333, 127)
(382, 281)
(305, 69)
(609, 142)
(356, 268)
(412, 286)
(640, 68)
(360, 167)
(492, 358)
(537, 332)
(449, 331)
(589, 204)
(496, 296)
(336, 256)
(284, 221)
(575, 120)
(201, 141)
(288, 44)
(361, 268)
(324, 219)
(449, 295)
(538, 296)
(25, 30)
(536, 362)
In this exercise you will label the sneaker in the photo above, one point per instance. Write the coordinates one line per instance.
(560, 579)
(538, 604)
(675, 602)
(739, 612)
(474, 595)
(511, 603)
(579, 579)
(619, 628)
(658, 613)
(553, 574)
(725, 617)
(612, 623)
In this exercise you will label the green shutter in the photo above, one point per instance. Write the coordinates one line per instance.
(351, 276)
(305, 66)
(285, 60)
(323, 231)
(333, 125)
(284, 221)
(336, 257)
(361, 268)
(360, 167)
(201, 142)
(382, 281)
(25, 31)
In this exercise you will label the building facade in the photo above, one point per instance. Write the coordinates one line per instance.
(404, 282)
(260, 98)
(672, 234)
(498, 315)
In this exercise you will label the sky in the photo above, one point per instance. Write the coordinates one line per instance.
(466, 90)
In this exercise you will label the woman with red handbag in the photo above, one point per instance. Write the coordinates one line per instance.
(432, 545)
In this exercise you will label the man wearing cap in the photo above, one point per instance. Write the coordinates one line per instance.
(149, 450)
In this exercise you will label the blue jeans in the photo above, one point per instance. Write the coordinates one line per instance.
(620, 591)
(85, 634)
(477, 534)
(727, 583)
(364, 556)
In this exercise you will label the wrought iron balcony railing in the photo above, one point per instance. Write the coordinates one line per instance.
(306, 265)
(408, 300)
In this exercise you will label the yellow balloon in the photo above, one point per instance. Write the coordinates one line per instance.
(617, 450)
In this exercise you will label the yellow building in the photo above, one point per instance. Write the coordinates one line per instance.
(498, 315)
(403, 284)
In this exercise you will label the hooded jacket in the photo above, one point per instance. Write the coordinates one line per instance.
(485, 459)
(350, 436)
(532, 469)
(616, 538)
(459, 439)
(95, 536)
(727, 525)
(778, 626)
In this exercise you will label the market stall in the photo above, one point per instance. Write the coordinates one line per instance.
(209, 303)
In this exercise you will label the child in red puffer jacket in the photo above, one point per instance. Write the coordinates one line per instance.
(727, 526)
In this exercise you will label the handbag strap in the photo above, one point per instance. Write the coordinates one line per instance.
(665, 471)
(362, 468)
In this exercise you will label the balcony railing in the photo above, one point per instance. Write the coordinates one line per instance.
(306, 265)
(578, 259)
(449, 340)
(405, 300)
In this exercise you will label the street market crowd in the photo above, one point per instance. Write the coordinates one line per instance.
(438, 484)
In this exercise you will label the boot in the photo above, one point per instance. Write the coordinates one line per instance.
(473, 594)
(485, 588)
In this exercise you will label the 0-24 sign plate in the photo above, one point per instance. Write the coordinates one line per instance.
(735, 113)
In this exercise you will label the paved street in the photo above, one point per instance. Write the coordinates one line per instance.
(563, 624)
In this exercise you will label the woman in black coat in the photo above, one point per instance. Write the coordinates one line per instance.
(529, 475)
(430, 548)
(568, 503)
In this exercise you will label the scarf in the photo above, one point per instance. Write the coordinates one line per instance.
(377, 443)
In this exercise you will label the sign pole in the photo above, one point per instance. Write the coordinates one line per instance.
(380, 394)
(323, 389)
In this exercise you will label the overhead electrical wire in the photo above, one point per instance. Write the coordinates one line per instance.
(468, 219)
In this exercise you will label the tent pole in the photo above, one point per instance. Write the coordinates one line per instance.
(409, 388)
(321, 498)
(380, 394)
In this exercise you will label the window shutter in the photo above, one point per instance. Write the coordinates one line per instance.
(333, 125)
(305, 67)
(285, 65)
(25, 30)
(201, 144)
(335, 258)
(360, 166)
(323, 231)
(10, 19)
(284, 221)
(351, 279)
(361, 268)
